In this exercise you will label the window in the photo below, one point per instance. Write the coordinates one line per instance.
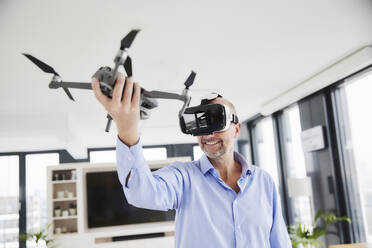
(109, 156)
(243, 144)
(265, 147)
(9, 200)
(197, 151)
(353, 101)
(295, 163)
(159, 153)
(36, 190)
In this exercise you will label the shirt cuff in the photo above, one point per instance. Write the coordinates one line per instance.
(128, 158)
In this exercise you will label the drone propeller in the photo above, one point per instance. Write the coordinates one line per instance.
(68, 93)
(48, 69)
(190, 79)
(126, 42)
(128, 66)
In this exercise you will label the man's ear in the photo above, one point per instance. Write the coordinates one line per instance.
(237, 127)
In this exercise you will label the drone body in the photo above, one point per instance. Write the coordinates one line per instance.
(104, 76)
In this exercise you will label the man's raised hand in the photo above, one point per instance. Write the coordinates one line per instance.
(123, 107)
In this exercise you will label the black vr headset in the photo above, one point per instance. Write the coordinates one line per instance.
(207, 118)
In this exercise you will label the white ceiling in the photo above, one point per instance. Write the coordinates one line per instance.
(250, 51)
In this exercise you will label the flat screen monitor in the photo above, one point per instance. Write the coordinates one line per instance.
(107, 205)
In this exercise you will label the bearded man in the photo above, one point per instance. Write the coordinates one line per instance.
(220, 200)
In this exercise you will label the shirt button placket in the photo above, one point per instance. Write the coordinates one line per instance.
(237, 232)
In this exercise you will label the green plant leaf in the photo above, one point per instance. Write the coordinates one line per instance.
(309, 235)
(42, 235)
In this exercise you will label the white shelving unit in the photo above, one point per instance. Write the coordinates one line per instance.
(63, 181)
(77, 233)
(64, 199)
(65, 217)
(62, 195)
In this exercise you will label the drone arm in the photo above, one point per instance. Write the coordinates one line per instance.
(75, 85)
(186, 102)
(162, 95)
(185, 97)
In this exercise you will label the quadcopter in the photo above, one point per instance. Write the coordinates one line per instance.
(107, 79)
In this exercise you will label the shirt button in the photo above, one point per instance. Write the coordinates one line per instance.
(129, 158)
(238, 227)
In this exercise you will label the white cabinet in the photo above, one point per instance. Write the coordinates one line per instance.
(67, 211)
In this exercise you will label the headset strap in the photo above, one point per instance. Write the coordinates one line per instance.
(235, 119)
(211, 96)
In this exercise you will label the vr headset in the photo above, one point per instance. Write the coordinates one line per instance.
(207, 118)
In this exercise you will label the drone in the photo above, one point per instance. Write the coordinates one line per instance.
(107, 79)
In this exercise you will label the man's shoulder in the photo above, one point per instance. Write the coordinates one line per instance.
(262, 175)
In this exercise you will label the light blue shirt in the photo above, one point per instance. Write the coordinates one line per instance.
(209, 213)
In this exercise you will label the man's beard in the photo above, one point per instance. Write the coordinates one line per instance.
(216, 154)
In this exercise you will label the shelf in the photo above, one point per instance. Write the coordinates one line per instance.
(63, 181)
(68, 233)
(70, 217)
(64, 199)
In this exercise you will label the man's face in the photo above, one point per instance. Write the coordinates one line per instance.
(219, 143)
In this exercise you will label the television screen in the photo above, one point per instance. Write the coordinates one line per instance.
(107, 205)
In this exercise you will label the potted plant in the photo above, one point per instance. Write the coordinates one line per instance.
(57, 211)
(40, 238)
(72, 209)
(308, 236)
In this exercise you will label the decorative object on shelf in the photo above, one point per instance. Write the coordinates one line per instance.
(58, 230)
(41, 238)
(73, 175)
(70, 194)
(57, 211)
(61, 194)
(56, 177)
(65, 213)
(72, 209)
(308, 236)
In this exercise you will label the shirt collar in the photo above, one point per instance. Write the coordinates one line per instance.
(205, 164)
(246, 169)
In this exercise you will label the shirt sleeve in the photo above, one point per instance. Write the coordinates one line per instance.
(160, 190)
(279, 237)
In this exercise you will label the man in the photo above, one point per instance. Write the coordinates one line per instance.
(221, 201)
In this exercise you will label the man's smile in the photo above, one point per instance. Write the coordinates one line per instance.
(211, 143)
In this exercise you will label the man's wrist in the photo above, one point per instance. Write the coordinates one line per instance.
(129, 142)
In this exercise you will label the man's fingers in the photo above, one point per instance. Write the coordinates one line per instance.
(136, 95)
(104, 100)
(118, 89)
(127, 97)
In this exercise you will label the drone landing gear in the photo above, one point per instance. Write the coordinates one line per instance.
(108, 125)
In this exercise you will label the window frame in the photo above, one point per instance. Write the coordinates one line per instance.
(355, 232)
(277, 133)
